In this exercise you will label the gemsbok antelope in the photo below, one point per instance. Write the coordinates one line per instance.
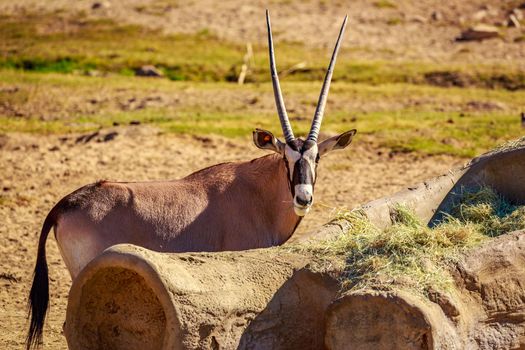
(230, 206)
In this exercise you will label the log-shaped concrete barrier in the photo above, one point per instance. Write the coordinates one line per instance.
(132, 298)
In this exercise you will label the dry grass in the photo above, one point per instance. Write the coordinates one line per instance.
(409, 253)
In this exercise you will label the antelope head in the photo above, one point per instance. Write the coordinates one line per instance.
(301, 156)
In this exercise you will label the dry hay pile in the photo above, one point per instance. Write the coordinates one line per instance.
(409, 253)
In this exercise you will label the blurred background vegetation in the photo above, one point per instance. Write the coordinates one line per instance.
(65, 71)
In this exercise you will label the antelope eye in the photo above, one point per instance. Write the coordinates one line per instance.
(317, 158)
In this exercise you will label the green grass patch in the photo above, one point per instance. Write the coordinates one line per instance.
(411, 254)
(431, 132)
(402, 117)
(427, 133)
(384, 4)
(195, 123)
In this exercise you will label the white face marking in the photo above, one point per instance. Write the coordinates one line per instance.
(292, 157)
(304, 192)
(310, 155)
(300, 211)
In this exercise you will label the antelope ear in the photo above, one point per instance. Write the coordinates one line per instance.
(265, 140)
(336, 142)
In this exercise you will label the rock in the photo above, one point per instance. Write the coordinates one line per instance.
(148, 71)
(479, 15)
(518, 14)
(110, 136)
(86, 137)
(515, 16)
(436, 16)
(418, 19)
(478, 33)
(94, 73)
(513, 22)
(100, 5)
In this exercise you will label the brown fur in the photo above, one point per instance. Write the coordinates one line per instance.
(231, 206)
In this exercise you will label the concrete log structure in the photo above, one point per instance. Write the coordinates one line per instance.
(133, 298)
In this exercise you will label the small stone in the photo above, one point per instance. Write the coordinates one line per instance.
(513, 21)
(479, 33)
(87, 137)
(479, 15)
(94, 73)
(110, 136)
(436, 16)
(518, 13)
(100, 5)
(418, 19)
(148, 71)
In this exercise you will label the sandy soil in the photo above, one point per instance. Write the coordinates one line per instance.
(39, 170)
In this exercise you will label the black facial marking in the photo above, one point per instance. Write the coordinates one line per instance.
(302, 173)
(290, 184)
(296, 145)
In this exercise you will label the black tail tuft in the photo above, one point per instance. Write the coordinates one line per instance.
(37, 304)
(39, 295)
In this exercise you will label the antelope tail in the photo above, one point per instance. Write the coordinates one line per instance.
(39, 294)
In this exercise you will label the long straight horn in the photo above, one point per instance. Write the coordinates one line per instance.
(319, 112)
(279, 102)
